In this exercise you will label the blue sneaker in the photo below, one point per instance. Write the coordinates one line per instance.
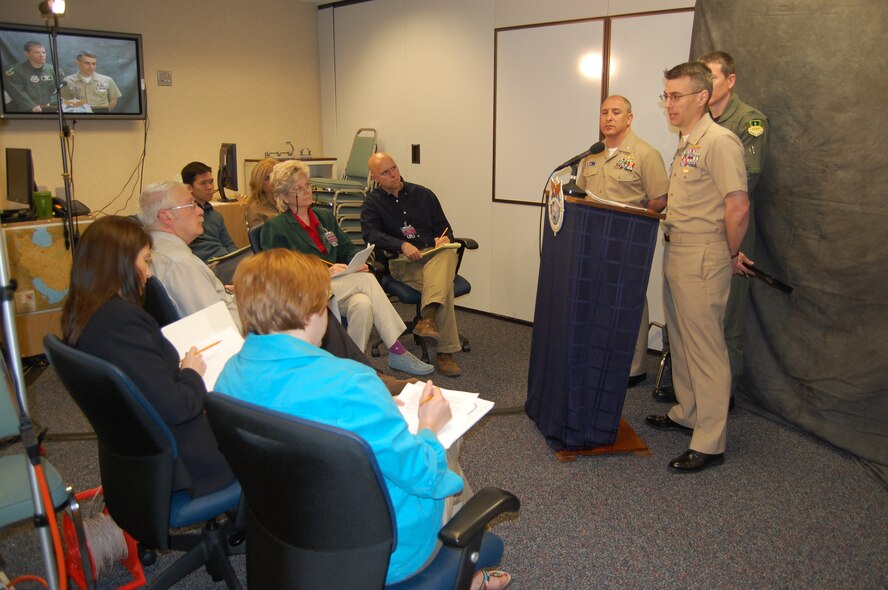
(409, 364)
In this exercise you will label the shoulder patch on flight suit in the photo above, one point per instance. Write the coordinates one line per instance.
(755, 127)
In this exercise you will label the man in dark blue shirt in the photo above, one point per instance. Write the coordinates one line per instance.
(215, 241)
(404, 217)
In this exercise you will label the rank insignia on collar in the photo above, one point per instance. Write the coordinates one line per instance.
(755, 127)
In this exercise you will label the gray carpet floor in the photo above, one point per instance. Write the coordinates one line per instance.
(785, 510)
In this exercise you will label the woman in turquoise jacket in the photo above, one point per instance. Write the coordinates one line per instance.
(282, 302)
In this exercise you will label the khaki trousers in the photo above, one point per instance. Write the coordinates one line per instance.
(641, 345)
(697, 272)
(433, 276)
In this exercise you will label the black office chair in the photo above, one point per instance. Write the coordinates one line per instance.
(318, 510)
(253, 235)
(407, 294)
(158, 303)
(137, 452)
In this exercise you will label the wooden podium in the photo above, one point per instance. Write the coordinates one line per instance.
(590, 298)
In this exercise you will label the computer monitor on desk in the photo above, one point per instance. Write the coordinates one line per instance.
(20, 184)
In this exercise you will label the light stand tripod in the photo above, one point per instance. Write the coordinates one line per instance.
(10, 336)
(50, 11)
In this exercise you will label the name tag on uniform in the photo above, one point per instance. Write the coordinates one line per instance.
(409, 231)
(102, 87)
(331, 238)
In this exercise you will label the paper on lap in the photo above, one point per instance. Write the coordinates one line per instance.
(357, 261)
(466, 409)
(203, 328)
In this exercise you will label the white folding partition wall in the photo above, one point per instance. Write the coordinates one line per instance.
(423, 71)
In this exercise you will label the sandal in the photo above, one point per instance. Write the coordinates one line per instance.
(487, 574)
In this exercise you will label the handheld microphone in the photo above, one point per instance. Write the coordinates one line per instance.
(596, 148)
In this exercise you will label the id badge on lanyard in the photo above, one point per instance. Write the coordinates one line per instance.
(409, 231)
(331, 238)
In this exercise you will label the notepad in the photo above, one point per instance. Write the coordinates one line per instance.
(466, 410)
(203, 328)
(432, 251)
(593, 197)
(357, 261)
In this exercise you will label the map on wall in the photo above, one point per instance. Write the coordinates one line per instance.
(40, 264)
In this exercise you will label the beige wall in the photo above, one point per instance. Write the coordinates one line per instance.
(243, 72)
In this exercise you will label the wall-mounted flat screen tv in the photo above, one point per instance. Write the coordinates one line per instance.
(101, 77)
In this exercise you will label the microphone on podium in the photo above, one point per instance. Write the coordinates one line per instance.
(571, 189)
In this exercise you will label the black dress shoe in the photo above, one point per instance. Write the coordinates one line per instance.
(667, 423)
(665, 394)
(693, 460)
(636, 379)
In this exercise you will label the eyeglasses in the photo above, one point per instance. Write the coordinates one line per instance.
(303, 189)
(193, 205)
(675, 96)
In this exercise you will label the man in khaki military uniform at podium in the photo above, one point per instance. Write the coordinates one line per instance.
(628, 171)
(87, 87)
(704, 226)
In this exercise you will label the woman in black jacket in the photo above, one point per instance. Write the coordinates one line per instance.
(103, 316)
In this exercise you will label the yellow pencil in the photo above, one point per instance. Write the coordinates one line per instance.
(204, 349)
(444, 233)
(328, 263)
(209, 346)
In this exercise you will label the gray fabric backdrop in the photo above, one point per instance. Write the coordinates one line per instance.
(819, 70)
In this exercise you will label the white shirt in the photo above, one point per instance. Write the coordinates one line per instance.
(188, 281)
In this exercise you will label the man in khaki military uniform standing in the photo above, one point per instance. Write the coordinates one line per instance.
(751, 126)
(705, 224)
(628, 171)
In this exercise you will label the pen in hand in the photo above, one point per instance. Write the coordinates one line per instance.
(444, 233)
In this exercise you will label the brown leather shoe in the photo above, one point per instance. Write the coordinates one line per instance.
(427, 329)
(445, 365)
(395, 386)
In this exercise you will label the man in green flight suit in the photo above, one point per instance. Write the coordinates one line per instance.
(751, 126)
(31, 84)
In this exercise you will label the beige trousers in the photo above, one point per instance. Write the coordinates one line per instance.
(641, 345)
(433, 276)
(364, 305)
(697, 272)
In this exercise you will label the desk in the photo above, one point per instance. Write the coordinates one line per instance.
(319, 166)
(41, 265)
(233, 214)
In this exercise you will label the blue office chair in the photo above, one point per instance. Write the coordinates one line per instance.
(318, 510)
(158, 303)
(137, 453)
(407, 294)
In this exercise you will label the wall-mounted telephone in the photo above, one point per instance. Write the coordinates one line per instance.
(59, 209)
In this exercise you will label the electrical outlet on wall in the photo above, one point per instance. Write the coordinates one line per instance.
(164, 78)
